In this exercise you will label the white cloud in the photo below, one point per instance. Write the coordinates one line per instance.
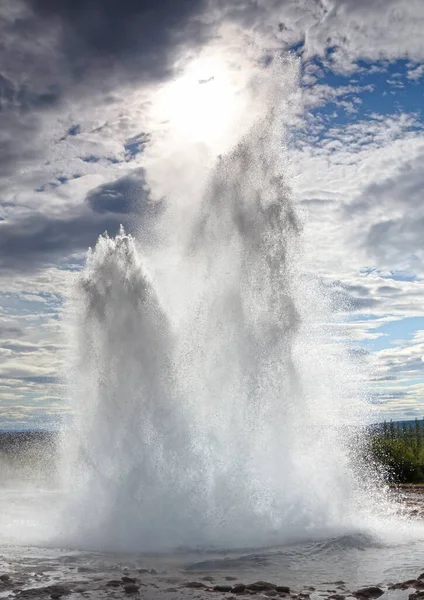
(416, 73)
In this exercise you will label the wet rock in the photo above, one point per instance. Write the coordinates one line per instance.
(416, 596)
(126, 579)
(223, 588)
(239, 588)
(271, 593)
(54, 591)
(403, 585)
(5, 578)
(261, 586)
(58, 590)
(114, 583)
(143, 571)
(421, 576)
(131, 588)
(153, 572)
(368, 592)
(282, 589)
(230, 578)
(336, 597)
(171, 589)
(194, 584)
(208, 578)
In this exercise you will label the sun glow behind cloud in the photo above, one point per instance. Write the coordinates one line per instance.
(203, 104)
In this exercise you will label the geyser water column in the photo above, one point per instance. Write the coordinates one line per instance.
(207, 425)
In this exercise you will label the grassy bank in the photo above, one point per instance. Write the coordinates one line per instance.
(399, 448)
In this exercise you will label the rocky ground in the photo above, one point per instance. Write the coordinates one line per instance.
(84, 582)
(27, 575)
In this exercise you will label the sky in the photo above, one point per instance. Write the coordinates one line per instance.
(88, 89)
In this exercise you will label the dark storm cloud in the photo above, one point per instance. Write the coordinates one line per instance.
(23, 99)
(40, 239)
(124, 196)
(142, 34)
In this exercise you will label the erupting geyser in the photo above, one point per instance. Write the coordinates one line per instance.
(222, 425)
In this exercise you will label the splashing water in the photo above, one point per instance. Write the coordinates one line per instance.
(222, 423)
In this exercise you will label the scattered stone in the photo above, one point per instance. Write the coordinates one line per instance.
(114, 583)
(223, 588)
(194, 584)
(126, 579)
(368, 592)
(282, 589)
(261, 586)
(239, 588)
(131, 588)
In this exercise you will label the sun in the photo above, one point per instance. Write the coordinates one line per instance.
(202, 104)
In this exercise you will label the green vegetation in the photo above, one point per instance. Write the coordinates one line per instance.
(399, 448)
